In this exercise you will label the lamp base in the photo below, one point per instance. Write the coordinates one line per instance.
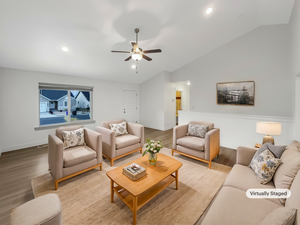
(268, 139)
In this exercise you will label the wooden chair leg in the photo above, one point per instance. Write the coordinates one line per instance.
(141, 151)
(100, 166)
(209, 164)
(172, 152)
(56, 185)
(111, 162)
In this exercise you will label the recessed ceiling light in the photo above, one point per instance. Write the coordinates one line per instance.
(65, 49)
(188, 83)
(209, 10)
(133, 66)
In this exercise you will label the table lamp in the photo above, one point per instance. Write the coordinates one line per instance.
(268, 128)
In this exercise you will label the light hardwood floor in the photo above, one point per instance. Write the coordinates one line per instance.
(17, 168)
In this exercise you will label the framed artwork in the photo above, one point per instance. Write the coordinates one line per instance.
(236, 93)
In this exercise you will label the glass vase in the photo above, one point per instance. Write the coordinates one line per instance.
(152, 158)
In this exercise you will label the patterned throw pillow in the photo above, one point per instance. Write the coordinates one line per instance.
(264, 166)
(73, 138)
(119, 129)
(197, 130)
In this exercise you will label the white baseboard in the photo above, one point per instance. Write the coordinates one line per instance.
(27, 145)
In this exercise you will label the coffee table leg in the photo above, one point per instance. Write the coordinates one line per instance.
(176, 175)
(112, 190)
(134, 209)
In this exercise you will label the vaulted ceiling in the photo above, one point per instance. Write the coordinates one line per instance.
(33, 32)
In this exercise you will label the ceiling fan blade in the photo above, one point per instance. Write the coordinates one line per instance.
(121, 51)
(146, 57)
(128, 58)
(152, 51)
(134, 45)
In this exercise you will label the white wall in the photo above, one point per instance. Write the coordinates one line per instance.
(185, 94)
(295, 47)
(156, 101)
(169, 103)
(152, 102)
(1, 109)
(19, 94)
(262, 55)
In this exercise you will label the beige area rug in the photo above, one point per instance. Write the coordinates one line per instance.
(85, 198)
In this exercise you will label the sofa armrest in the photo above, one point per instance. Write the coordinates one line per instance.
(244, 155)
(137, 130)
(179, 132)
(94, 141)
(55, 156)
(108, 141)
(212, 144)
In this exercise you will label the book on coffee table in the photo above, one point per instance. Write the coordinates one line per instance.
(134, 171)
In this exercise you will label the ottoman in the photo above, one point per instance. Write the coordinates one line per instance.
(45, 210)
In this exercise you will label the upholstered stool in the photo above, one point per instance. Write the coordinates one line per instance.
(45, 210)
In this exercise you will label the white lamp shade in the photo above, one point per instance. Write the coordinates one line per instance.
(137, 56)
(268, 128)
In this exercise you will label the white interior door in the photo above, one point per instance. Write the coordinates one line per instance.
(130, 106)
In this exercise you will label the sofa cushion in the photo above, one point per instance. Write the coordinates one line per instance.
(276, 150)
(105, 124)
(280, 216)
(294, 200)
(126, 140)
(243, 178)
(265, 166)
(232, 206)
(42, 210)
(197, 130)
(77, 155)
(73, 138)
(289, 168)
(192, 142)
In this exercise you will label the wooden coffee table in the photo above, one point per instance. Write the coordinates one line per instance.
(137, 193)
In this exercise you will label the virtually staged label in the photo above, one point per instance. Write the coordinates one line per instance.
(268, 193)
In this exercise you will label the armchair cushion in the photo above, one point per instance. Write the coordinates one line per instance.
(126, 140)
(73, 138)
(59, 130)
(119, 129)
(77, 155)
(192, 142)
(197, 130)
(210, 125)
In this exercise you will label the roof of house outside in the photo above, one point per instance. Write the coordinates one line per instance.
(86, 95)
(54, 95)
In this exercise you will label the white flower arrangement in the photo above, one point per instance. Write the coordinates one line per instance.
(152, 146)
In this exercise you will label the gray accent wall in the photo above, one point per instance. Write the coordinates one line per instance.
(262, 55)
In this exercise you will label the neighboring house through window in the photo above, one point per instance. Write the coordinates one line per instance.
(56, 101)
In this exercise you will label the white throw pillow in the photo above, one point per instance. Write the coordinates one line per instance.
(119, 129)
(197, 130)
(73, 138)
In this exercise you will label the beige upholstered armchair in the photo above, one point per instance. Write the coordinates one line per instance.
(202, 149)
(116, 147)
(67, 163)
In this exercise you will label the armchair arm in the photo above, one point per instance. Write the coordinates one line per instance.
(178, 132)
(137, 130)
(212, 144)
(94, 141)
(55, 156)
(108, 142)
(244, 155)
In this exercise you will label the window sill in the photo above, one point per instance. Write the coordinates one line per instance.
(47, 127)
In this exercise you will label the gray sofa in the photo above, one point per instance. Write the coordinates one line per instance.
(232, 206)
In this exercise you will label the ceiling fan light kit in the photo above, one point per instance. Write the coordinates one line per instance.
(138, 53)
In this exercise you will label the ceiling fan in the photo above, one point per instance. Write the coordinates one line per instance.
(138, 53)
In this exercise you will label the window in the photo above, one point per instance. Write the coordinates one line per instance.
(64, 104)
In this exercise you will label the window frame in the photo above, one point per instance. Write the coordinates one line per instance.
(69, 88)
